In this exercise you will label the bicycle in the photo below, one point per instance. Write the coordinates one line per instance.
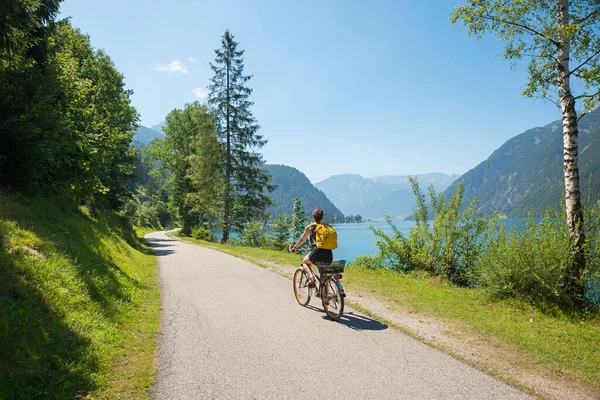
(327, 286)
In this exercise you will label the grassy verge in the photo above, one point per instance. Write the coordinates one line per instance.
(79, 304)
(564, 347)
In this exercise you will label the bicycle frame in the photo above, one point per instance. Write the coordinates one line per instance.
(321, 278)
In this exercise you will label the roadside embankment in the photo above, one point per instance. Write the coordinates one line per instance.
(79, 303)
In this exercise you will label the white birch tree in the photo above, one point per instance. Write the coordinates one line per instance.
(560, 39)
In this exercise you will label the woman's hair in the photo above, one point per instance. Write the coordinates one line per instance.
(317, 214)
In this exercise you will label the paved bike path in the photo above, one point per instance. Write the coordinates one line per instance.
(233, 330)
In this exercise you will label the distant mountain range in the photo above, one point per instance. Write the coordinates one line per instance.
(291, 183)
(526, 172)
(159, 127)
(373, 197)
(144, 136)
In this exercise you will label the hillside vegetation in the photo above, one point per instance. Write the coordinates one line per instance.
(79, 303)
(290, 184)
(526, 173)
(144, 136)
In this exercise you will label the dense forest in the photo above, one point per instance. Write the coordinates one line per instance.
(67, 122)
(291, 184)
(66, 119)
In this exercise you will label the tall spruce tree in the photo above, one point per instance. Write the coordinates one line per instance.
(245, 181)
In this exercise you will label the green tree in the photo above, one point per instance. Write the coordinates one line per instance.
(94, 154)
(25, 26)
(66, 120)
(190, 136)
(29, 116)
(251, 235)
(245, 181)
(299, 221)
(561, 39)
(206, 165)
(280, 234)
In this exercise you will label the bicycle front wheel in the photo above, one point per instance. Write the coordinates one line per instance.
(301, 287)
(333, 301)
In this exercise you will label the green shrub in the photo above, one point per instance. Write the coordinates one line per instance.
(251, 235)
(449, 246)
(145, 214)
(279, 238)
(529, 263)
(234, 241)
(203, 234)
(395, 251)
(591, 274)
(368, 262)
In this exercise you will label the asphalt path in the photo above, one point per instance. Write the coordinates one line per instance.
(233, 330)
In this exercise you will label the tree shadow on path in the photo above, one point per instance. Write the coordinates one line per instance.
(161, 246)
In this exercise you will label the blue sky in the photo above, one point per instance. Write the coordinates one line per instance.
(374, 88)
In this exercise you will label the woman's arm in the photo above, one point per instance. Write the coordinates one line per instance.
(303, 238)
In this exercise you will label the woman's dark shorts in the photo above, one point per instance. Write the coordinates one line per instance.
(320, 255)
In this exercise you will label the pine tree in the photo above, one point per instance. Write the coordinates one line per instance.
(280, 234)
(298, 220)
(245, 182)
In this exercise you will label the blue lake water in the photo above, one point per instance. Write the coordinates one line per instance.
(358, 239)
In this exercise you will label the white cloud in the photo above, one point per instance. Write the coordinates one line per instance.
(200, 93)
(192, 59)
(175, 66)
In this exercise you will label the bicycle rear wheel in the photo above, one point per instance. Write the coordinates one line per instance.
(301, 290)
(333, 301)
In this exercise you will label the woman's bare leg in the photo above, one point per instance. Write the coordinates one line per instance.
(306, 265)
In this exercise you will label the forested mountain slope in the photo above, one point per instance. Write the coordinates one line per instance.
(291, 183)
(144, 136)
(526, 173)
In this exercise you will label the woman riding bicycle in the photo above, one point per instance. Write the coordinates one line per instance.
(316, 254)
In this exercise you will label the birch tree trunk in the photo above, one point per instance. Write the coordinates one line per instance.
(574, 211)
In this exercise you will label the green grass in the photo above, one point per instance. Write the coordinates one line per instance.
(566, 347)
(79, 303)
(262, 257)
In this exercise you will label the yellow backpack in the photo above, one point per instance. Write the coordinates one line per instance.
(326, 236)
